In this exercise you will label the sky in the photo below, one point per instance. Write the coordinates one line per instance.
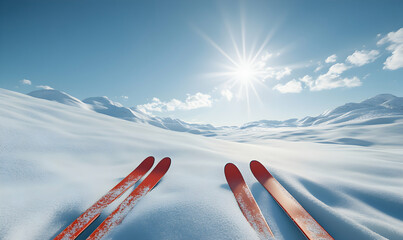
(218, 62)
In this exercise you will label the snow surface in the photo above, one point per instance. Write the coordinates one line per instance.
(57, 160)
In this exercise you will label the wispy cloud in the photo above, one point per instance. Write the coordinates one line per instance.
(266, 56)
(319, 67)
(308, 80)
(292, 86)
(26, 82)
(45, 87)
(198, 100)
(395, 41)
(331, 59)
(338, 68)
(331, 79)
(227, 94)
(277, 73)
(360, 58)
(124, 97)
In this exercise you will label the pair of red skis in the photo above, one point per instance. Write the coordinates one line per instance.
(304, 221)
(117, 216)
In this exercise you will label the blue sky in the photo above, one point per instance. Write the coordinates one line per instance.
(179, 58)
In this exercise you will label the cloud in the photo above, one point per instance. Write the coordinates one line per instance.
(26, 82)
(338, 68)
(195, 101)
(45, 87)
(395, 41)
(307, 80)
(125, 97)
(266, 56)
(319, 67)
(227, 94)
(331, 79)
(292, 86)
(331, 59)
(360, 58)
(277, 74)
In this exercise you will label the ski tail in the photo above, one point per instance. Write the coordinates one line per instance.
(305, 222)
(246, 202)
(117, 216)
(92, 213)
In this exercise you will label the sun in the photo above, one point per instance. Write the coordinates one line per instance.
(245, 68)
(245, 72)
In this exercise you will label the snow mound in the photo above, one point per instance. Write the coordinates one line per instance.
(58, 96)
(105, 106)
(57, 160)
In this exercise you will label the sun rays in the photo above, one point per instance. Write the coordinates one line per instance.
(245, 67)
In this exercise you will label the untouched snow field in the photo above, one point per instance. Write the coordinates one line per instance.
(56, 160)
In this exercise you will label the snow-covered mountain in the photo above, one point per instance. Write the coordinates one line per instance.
(105, 106)
(58, 96)
(383, 108)
(114, 109)
(57, 160)
(379, 106)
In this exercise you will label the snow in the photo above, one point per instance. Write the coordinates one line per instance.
(57, 160)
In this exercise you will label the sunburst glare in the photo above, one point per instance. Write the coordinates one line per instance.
(245, 68)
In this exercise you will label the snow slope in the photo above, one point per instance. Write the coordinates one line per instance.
(56, 160)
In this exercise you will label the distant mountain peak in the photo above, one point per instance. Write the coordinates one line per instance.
(378, 106)
(379, 99)
(58, 96)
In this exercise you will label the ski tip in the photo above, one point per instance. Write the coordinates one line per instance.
(165, 163)
(259, 171)
(230, 168)
(232, 172)
(147, 163)
(255, 164)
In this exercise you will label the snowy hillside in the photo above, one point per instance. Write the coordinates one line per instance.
(114, 109)
(379, 106)
(56, 160)
(381, 109)
(58, 96)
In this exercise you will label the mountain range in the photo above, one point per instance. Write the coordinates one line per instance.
(380, 106)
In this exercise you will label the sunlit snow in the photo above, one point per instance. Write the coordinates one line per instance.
(57, 160)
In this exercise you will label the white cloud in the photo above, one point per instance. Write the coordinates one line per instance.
(330, 81)
(360, 58)
(319, 67)
(125, 97)
(331, 59)
(307, 80)
(195, 101)
(227, 94)
(266, 56)
(292, 86)
(338, 68)
(395, 40)
(277, 74)
(26, 82)
(45, 87)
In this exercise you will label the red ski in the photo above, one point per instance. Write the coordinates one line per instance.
(117, 216)
(305, 222)
(246, 202)
(82, 222)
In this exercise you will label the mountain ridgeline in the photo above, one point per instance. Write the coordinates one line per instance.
(379, 109)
